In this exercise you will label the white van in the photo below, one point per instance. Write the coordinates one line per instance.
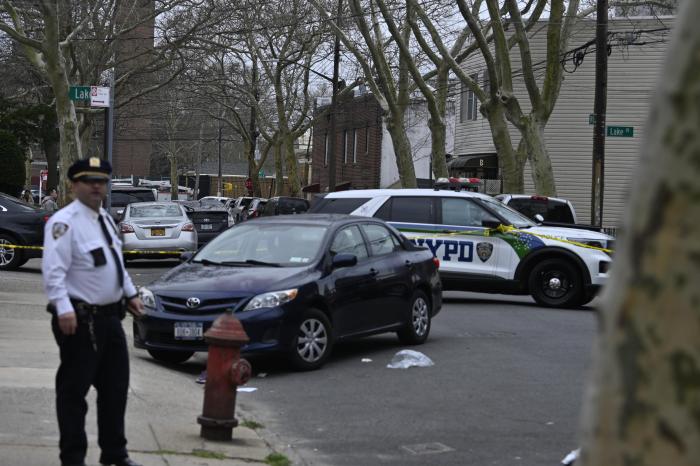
(486, 246)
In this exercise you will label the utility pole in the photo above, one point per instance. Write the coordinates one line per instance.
(599, 112)
(219, 184)
(109, 139)
(336, 65)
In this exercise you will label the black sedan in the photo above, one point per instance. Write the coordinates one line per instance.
(298, 284)
(23, 225)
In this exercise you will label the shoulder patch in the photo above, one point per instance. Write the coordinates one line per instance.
(59, 229)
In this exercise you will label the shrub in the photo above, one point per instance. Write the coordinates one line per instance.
(12, 169)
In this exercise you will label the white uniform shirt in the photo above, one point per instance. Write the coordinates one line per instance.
(72, 240)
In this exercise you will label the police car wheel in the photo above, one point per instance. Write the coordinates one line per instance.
(313, 342)
(418, 324)
(171, 357)
(10, 258)
(555, 283)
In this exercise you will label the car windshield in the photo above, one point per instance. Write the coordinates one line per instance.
(277, 245)
(155, 211)
(513, 217)
(212, 201)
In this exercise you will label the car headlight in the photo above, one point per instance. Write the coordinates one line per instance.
(272, 299)
(147, 297)
(231, 221)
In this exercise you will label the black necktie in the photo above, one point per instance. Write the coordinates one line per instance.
(108, 237)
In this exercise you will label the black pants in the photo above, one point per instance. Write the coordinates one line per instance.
(107, 369)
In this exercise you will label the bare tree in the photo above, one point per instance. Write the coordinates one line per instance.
(643, 400)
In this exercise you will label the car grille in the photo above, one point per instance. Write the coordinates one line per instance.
(206, 307)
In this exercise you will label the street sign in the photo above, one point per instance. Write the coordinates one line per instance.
(81, 93)
(261, 174)
(249, 184)
(620, 131)
(591, 118)
(44, 175)
(99, 96)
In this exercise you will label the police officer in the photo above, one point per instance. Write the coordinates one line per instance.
(89, 291)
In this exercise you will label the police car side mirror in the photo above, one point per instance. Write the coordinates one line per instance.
(344, 260)
(491, 222)
(186, 256)
(539, 218)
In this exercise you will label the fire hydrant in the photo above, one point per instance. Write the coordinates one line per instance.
(225, 372)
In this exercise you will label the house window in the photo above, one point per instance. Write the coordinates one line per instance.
(468, 102)
(354, 146)
(325, 156)
(345, 146)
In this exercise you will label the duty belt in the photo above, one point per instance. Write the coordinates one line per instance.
(87, 313)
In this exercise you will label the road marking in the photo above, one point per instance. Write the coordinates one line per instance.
(427, 448)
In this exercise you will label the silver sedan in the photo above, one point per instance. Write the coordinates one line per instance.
(155, 229)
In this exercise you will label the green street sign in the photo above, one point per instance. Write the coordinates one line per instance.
(620, 131)
(79, 93)
(261, 174)
(591, 119)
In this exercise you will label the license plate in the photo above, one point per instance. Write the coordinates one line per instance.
(157, 231)
(207, 227)
(189, 331)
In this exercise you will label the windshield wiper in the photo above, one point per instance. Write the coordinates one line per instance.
(257, 262)
(207, 262)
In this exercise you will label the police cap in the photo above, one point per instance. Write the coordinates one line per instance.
(90, 169)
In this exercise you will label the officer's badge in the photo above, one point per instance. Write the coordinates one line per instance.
(59, 229)
(94, 162)
(484, 251)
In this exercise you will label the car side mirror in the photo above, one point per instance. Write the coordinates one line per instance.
(186, 256)
(344, 260)
(491, 222)
(539, 218)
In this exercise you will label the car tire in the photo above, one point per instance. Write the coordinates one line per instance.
(10, 258)
(556, 283)
(418, 321)
(313, 341)
(171, 357)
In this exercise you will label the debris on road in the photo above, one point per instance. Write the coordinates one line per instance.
(246, 389)
(409, 358)
(366, 360)
(571, 457)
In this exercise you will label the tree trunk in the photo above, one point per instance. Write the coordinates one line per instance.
(28, 168)
(438, 130)
(643, 404)
(279, 173)
(292, 166)
(402, 151)
(173, 178)
(511, 173)
(538, 156)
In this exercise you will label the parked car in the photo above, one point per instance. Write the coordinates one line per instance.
(239, 206)
(298, 284)
(210, 218)
(20, 224)
(125, 195)
(558, 267)
(284, 206)
(152, 227)
(545, 210)
(255, 208)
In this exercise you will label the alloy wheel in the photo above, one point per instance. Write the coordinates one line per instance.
(312, 342)
(419, 316)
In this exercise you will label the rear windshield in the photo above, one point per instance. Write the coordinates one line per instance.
(344, 205)
(246, 202)
(550, 210)
(292, 206)
(155, 211)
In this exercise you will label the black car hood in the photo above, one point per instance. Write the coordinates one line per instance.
(235, 280)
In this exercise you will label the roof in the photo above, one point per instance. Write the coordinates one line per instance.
(369, 193)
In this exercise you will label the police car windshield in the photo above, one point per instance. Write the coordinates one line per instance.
(278, 245)
(513, 217)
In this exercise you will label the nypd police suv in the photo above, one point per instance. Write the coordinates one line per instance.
(486, 246)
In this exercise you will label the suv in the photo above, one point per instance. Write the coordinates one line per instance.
(486, 246)
(125, 195)
(548, 211)
(285, 206)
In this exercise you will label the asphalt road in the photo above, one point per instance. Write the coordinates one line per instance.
(506, 388)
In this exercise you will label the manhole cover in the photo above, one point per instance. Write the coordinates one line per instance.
(427, 448)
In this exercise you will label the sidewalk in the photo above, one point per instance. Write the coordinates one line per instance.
(162, 409)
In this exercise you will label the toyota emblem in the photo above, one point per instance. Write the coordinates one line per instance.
(193, 302)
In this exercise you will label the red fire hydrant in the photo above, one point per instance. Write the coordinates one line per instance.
(225, 372)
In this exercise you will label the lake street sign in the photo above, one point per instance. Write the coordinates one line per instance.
(99, 96)
(620, 131)
(81, 93)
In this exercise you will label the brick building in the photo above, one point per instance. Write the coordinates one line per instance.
(358, 142)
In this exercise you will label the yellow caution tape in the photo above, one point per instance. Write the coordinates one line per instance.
(507, 229)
